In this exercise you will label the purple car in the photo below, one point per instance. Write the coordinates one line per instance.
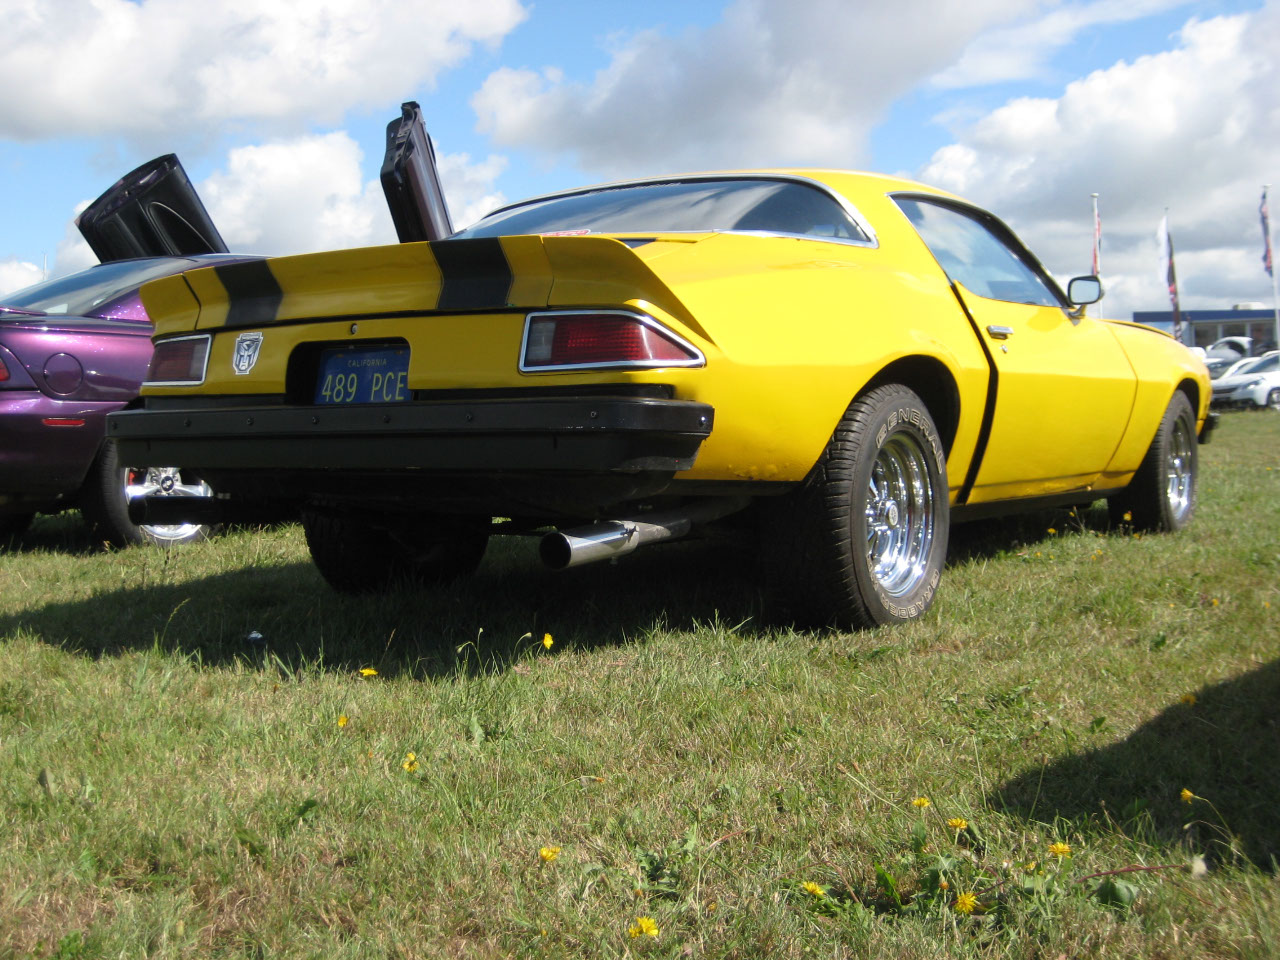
(75, 348)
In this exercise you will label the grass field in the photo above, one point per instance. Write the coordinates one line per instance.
(192, 762)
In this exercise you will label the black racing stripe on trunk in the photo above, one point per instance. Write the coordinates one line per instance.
(476, 273)
(253, 293)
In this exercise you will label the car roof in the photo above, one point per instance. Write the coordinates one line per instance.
(851, 183)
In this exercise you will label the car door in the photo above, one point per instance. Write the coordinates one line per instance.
(1064, 388)
(411, 181)
(152, 211)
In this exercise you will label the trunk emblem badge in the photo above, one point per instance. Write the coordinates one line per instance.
(246, 352)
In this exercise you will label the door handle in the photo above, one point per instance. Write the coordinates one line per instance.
(999, 333)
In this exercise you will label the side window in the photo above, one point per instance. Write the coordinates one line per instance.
(974, 256)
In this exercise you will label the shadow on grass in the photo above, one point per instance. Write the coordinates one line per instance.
(984, 539)
(1225, 748)
(486, 622)
(65, 533)
(495, 617)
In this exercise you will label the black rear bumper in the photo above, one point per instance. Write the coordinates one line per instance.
(593, 434)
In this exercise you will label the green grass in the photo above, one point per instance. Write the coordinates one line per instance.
(172, 787)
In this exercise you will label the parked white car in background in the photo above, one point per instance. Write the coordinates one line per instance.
(1251, 383)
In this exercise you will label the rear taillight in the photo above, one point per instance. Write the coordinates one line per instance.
(181, 360)
(4, 371)
(574, 339)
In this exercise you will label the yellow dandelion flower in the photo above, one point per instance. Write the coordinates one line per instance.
(368, 672)
(410, 762)
(943, 885)
(813, 889)
(1214, 601)
(1052, 531)
(342, 720)
(547, 641)
(921, 802)
(1059, 849)
(1187, 795)
(1188, 698)
(958, 823)
(1128, 516)
(549, 854)
(966, 902)
(643, 927)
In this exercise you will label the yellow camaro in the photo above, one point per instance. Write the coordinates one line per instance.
(854, 360)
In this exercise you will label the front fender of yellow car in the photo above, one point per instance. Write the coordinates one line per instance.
(1162, 365)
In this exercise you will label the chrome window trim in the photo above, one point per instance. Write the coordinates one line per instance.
(204, 371)
(854, 214)
(697, 360)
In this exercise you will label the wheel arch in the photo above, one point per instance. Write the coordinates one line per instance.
(1192, 390)
(930, 380)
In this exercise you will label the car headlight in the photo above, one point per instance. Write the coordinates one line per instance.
(1250, 384)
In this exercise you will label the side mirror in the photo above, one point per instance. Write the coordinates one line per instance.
(1084, 290)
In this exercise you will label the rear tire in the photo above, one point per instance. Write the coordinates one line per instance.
(355, 556)
(863, 541)
(1162, 494)
(1273, 399)
(109, 488)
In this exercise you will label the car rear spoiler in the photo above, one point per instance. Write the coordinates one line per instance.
(411, 181)
(152, 211)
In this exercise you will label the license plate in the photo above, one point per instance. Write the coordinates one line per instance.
(363, 375)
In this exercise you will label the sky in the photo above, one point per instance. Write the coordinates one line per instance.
(278, 112)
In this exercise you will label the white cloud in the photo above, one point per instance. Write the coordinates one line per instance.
(73, 252)
(16, 274)
(770, 83)
(297, 196)
(308, 194)
(469, 188)
(1020, 51)
(146, 67)
(1194, 129)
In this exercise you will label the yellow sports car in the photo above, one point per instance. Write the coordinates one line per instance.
(853, 360)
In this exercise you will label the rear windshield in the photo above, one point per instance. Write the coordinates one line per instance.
(697, 206)
(92, 292)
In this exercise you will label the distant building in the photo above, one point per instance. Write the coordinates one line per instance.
(1202, 327)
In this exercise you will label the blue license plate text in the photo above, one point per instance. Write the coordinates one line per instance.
(363, 375)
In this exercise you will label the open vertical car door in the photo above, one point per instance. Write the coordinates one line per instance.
(411, 182)
(152, 211)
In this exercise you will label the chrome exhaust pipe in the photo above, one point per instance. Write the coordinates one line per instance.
(616, 538)
(161, 510)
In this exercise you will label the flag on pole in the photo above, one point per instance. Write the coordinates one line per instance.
(1266, 234)
(1165, 241)
(1097, 239)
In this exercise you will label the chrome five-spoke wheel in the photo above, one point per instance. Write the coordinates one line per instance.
(1179, 471)
(900, 515)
